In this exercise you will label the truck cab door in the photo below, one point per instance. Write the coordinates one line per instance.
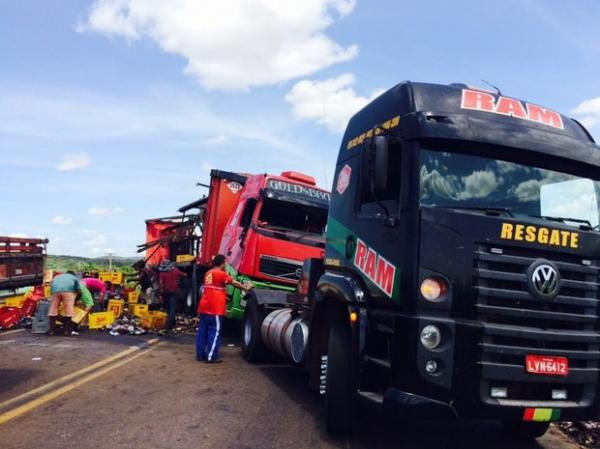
(374, 248)
(234, 248)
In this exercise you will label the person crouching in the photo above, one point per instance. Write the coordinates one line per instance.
(66, 288)
(211, 310)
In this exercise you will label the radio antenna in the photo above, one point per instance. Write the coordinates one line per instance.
(492, 86)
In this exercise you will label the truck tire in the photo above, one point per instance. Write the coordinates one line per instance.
(524, 431)
(253, 348)
(339, 390)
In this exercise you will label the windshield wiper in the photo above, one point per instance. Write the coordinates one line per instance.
(587, 223)
(489, 210)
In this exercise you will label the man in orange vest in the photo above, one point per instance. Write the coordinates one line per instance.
(212, 308)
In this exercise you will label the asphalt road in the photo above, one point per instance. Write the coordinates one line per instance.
(158, 396)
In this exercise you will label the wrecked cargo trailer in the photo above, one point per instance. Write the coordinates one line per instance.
(265, 225)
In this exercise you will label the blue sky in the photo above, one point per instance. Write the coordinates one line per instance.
(112, 110)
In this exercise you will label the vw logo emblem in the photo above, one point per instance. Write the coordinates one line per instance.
(543, 279)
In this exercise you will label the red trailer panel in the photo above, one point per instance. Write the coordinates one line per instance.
(223, 198)
(156, 230)
(21, 262)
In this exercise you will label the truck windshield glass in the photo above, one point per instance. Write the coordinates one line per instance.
(456, 180)
(290, 216)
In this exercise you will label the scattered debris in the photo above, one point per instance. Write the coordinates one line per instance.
(185, 325)
(586, 433)
(126, 326)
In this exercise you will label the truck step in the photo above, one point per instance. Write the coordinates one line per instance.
(371, 397)
(383, 363)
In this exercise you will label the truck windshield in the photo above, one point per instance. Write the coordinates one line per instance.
(464, 181)
(289, 216)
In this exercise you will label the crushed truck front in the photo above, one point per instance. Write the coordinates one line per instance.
(279, 222)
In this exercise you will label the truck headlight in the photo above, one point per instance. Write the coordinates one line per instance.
(434, 289)
(431, 336)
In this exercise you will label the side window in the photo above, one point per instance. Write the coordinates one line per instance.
(369, 204)
(248, 213)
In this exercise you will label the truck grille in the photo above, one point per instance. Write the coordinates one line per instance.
(290, 270)
(515, 323)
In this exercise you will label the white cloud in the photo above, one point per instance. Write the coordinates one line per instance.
(235, 44)
(60, 220)
(479, 184)
(588, 112)
(73, 161)
(73, 115)
(106, 211)
(330, 102)
(217, 140)
(528, 190)
(93, 239)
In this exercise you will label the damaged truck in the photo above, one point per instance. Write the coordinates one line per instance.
(461, 269)
(265, 225)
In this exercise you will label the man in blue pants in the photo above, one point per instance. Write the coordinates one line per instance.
(211, 310)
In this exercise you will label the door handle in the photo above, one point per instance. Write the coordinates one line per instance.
(350, 246)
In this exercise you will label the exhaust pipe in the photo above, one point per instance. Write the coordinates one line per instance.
(285, 334)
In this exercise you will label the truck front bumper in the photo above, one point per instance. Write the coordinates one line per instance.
(475, 357)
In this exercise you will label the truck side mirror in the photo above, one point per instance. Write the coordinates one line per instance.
(379, 164)
(375, 156)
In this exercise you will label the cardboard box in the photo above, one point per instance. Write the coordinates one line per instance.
(101, 319)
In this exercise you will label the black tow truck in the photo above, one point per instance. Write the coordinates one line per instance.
(462, 264)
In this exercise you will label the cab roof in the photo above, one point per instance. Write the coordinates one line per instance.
(416, 110)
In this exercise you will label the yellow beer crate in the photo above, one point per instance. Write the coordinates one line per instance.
(138, 309)
(15, 301)
(78, 314)
(154, 320)
(185, 258)
(133, 297)
(101, 319)
(116, 306)
(111, 276)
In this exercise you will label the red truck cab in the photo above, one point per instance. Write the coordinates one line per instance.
(279, 221)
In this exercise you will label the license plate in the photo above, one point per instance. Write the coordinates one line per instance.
(547, 365)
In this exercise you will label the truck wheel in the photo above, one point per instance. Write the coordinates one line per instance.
(339, 391)
(253, 348)
(523, 431)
